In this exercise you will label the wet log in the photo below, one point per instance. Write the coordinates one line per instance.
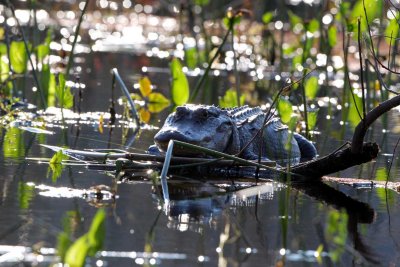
(336, 161)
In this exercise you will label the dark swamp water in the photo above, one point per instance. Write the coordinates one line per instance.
(206, 223)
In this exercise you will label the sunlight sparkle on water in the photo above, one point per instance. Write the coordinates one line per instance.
(278, 25)
(327, 19)
(139, 261)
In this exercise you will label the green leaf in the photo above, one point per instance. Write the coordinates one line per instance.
(13, 144)
(332, 36)
(313, 26)
(25, 195)
(267, 17)
(381, 174)
(312, 118)
(392, 30)
(42, 50)
(229, 100)
(48, 82)
(97, 232)
(202, 2)
(353, 115)
(58, 157)
(4, 70)
(157, 102)
(44, 79)
(311, 87)
(3, 49)
(373, 10)
(180, 84)
(89, 243)
(289, 49)
(18, 56)
(319, 251)
(285, 109)
(63, 243)
(4, 74)
(231, 22)
(294, 19)
(63, 93)
(55, 165)
(51, 97)
(336, 232)
(292, 126)
(191, 57)
(77, 253)
(70, 222)
(56, 171)
(297, 60)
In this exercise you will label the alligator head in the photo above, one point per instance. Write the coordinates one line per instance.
(206, 126)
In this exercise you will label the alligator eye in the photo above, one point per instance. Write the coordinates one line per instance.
(180, 111)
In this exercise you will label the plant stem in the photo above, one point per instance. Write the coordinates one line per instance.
(303, 89)
(71, 55)
(202, 79)
(237, 78)
(361, 68)
(127, 95)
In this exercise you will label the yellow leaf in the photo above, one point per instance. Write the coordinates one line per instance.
(145, 86)
(377, 85)
(101, 123)
(157, 102)
(144, 115)
(157, 107)
(158, 98)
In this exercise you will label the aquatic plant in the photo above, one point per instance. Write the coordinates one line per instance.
(88, 244)
(180, 85)
(154, 102)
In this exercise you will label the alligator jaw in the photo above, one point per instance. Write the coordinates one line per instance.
(162, 139)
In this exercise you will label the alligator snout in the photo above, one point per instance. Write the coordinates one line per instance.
(163, 137)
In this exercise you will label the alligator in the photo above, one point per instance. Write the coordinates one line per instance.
(229, 130)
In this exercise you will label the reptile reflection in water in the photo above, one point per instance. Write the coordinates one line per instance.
(195, 204)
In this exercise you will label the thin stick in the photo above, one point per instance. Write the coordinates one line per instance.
(237, 77)
(391, 162)
(220, 154)
(29, 56)
(361, 69)
(127, 94)
(267, 116)
(372, 44)
(202, 79)
(71, 55)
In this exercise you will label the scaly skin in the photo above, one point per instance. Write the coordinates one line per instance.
(229, 130)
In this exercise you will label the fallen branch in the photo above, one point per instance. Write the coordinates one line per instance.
(337, 161)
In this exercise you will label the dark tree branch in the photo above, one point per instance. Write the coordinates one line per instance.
(336, 161)
(362, 127)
